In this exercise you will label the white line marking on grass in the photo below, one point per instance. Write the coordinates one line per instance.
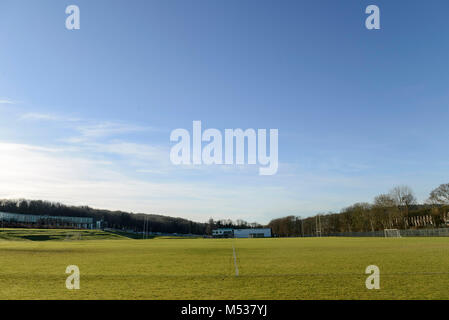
(235, 261)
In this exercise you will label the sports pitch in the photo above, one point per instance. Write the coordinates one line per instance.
(114, 267)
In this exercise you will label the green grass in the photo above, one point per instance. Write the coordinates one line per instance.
(56, 234)
(291, 268)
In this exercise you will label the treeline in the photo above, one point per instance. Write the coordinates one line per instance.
(113, 219)
(397, 209)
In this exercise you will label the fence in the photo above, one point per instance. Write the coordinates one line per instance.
(439, 232)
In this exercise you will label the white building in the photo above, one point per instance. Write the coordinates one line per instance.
(223, 233)
(242, 233)
(252, 233)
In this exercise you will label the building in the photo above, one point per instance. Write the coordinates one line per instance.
(252, 233)
(242, 233)
(223, 233)
(35, 221)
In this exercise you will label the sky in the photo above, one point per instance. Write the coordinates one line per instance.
(86, 115)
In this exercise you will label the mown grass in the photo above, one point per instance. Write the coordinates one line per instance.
(318, 268)
(55, 234)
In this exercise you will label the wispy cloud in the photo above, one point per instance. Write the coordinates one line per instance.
(87, 129)
(113, 164)
(108, 128)
(7, 101)
(47, 117)
(29, 171)
(103, 139)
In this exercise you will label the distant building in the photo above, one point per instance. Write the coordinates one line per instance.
(242, 233)
(252, 233)
(223, 233)
(100, 225)
(35, 221)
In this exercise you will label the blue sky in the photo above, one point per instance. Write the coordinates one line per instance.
(86, 115)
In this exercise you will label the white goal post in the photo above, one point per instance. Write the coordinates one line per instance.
(392, 233)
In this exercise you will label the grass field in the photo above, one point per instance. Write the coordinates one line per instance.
(55, 234)
(114, 267)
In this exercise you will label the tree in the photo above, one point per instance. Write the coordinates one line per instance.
(384, 201)
(210, 226)
(358, 217)
(114, 219)
(440, 195)
(404, 198)
(385, 211)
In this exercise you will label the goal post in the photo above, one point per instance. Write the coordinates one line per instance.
(74, 236)
(392, 233)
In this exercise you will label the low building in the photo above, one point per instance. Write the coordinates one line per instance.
(38, 221)
(223, 233)
(242, 233)
(252, 233)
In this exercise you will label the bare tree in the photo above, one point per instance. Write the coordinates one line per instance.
(384, 201)
(210, 226)
(385, 210)
(404, 197)
(440, 195)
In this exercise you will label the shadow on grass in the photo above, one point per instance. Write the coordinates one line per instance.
(40, 237)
